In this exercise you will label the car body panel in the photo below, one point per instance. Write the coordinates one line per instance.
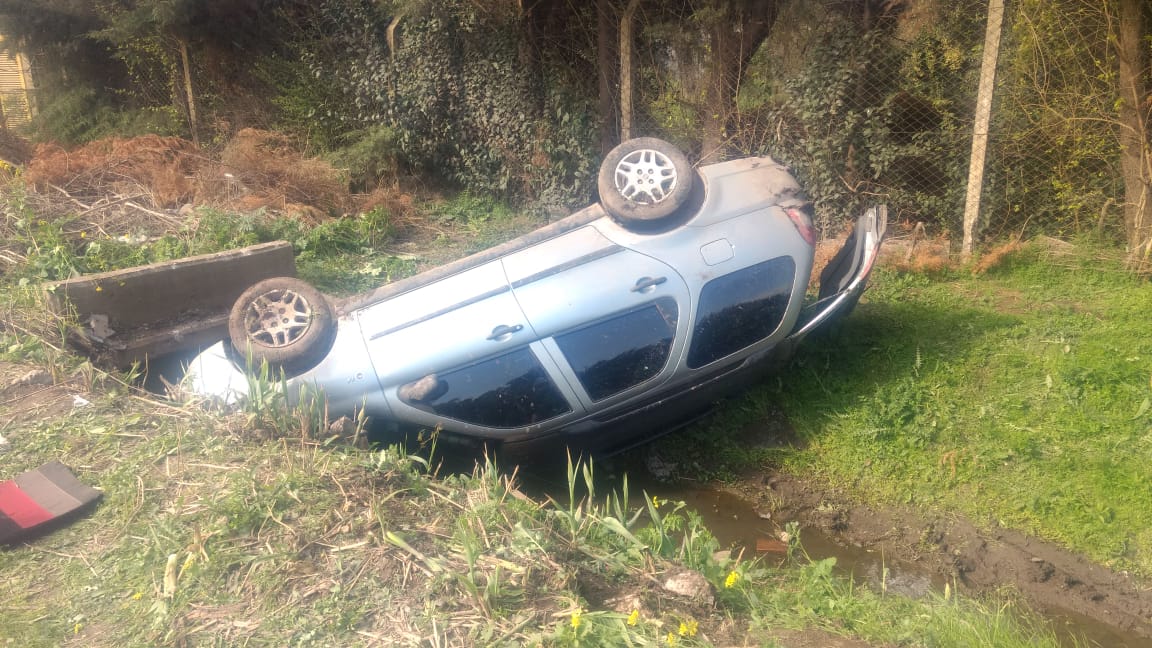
(737, 187)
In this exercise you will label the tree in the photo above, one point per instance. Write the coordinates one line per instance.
(1080, 83)
(734, 29)
(1133, 112)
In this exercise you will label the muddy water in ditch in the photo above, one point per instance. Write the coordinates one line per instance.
(736, 523)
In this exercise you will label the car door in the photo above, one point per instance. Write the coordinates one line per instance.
(459, 354)
(614, 320)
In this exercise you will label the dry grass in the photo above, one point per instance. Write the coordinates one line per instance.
(997, 256)
(906, 248)
(256, 170)
(267, 170)
(159, 168)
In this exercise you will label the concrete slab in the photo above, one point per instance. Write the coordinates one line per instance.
(147, 311)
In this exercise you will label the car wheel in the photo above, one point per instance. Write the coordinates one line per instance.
(282, 321)
(644, 180)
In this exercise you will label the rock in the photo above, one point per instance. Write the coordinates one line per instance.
(34, 377)
(342, 427)
(690, 584)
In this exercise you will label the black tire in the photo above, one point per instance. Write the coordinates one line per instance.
(644, 180)
(282, 321)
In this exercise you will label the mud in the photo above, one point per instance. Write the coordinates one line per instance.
(1069, 589)
(922, 550)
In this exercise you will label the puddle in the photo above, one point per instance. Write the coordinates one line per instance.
(736, 523)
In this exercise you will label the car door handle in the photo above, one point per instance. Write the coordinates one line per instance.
(644, 284)
(503, 332)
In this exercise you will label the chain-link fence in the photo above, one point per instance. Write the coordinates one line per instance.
(868, 101)
(884, 107)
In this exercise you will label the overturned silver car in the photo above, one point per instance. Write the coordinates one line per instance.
(600, 330)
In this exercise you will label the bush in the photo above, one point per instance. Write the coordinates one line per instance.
(371, 156)
(81, 114)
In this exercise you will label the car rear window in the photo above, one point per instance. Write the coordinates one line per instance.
(740, 309)
(622, 351)
(512, 390)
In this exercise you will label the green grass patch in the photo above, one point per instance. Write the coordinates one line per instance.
(254, 528)
(1020, 397)
(339, 256)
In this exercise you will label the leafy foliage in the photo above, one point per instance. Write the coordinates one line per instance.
(465, 98)
(83, 114)
(869, 118)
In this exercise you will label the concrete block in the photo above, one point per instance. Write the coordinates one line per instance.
(129, 315)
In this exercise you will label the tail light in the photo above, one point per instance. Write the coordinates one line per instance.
(802, 218)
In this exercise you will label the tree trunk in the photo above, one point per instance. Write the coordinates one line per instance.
(191, 98)
(606, 52)
(1135, 156)
(735, 34)
(626, 41)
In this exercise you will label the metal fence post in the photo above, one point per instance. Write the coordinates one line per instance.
(980, 130)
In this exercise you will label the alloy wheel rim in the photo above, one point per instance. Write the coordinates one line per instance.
(646, 177)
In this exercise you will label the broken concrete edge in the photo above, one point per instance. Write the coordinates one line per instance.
(127, 316)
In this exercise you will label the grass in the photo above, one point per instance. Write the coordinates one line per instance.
(264, 526)
(1019, 397)
(340, 256)
(223, 530)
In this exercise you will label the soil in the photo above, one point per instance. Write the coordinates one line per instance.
(30, 394)
(974, 558)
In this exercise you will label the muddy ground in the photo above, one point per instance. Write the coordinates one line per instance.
(953, 549)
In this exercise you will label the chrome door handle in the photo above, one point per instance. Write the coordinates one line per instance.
(645, 284)
(503, 332)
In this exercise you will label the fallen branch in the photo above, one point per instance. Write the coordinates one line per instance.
(70, 197)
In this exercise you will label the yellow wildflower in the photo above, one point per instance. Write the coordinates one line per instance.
(137, 596)
(577, 619)
(634, 618)
(656, 501)
(670, 639)
(731, 581)
(688, 628)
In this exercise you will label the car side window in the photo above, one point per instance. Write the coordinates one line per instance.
(740, 309)
(511, 390)
(622, 351)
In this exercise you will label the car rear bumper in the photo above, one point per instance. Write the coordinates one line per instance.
(846, 275)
